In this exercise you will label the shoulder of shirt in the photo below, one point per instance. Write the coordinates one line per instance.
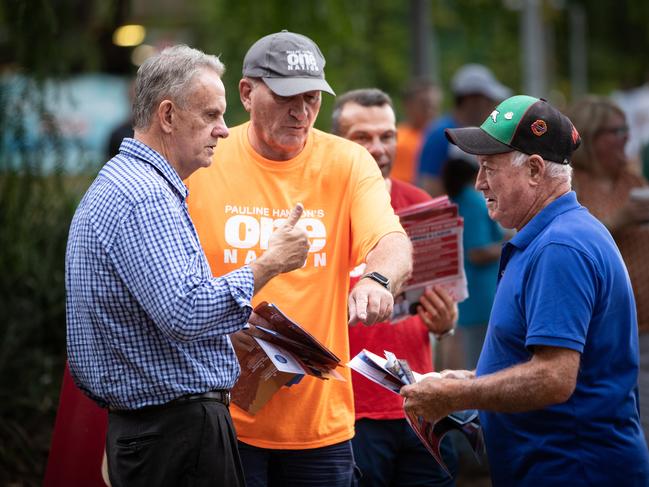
(340, 149)
(132, 179)
(411, 192)
(438, 126)
(576, 229)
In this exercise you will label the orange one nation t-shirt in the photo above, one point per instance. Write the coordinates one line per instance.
(237, 203)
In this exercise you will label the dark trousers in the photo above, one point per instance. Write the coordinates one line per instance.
(184, 444)
(389, 453)
(329, 466)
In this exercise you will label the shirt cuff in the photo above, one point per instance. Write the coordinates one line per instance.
(241, 283)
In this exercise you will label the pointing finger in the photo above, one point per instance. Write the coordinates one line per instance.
(295, 215)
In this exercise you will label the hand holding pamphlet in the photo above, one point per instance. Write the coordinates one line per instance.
(274, 351)
(394, 373)
(435, 231)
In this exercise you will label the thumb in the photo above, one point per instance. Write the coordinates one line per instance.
(295, 215)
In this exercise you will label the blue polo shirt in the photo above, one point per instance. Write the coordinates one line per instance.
(562, 283)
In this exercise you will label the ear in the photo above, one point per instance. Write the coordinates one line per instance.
(536, 166)
(166, 114)
(245, 93)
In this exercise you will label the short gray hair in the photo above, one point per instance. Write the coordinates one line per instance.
(168, 75)
(553, 170)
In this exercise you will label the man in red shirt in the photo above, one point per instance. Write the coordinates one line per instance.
(385, 448)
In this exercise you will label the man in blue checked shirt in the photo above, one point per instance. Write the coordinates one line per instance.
(148, 325)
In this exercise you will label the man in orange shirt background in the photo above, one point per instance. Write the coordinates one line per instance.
(421, 101)
(266, 166)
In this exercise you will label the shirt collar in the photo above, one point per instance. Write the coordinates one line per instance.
(542, 219)
(138, 150)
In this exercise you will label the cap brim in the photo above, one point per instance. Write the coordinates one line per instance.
(474, 140)
(296, 86)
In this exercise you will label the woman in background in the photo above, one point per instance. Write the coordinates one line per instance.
(619, 197)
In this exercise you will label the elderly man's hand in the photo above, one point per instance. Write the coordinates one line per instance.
(369, 303)
(437, 310)
(430, 398)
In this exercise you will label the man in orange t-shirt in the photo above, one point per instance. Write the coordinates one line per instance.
(301, 436)
(421, 102)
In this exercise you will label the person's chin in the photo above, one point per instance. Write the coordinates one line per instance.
(206, 162)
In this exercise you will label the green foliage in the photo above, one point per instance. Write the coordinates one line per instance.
(365, 42)
(36, 204)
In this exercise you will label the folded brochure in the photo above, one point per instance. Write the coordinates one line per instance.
(394, 373)
(277, 352)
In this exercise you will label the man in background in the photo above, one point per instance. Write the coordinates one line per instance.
(421, 101)
(475, 93)
(302, 435)
(386, 449)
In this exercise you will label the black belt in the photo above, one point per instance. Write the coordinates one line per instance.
(221, 395)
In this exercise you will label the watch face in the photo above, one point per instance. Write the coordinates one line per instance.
(380, 278)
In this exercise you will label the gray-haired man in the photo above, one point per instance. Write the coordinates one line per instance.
(147, 322)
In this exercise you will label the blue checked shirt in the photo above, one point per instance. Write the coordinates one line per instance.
(146, 320)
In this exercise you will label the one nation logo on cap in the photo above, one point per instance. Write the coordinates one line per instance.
(289, 64)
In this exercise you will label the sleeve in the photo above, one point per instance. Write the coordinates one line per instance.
(434, 152)
(371, 214)
(161, 262)
(559, 297)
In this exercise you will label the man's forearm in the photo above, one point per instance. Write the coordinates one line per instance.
(392, 257)
(520, 388)
(548, 378)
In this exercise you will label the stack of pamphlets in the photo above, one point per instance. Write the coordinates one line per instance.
(277, 352)
(435, 230)
(394, 373)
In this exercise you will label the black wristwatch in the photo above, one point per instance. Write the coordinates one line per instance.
(380, 278)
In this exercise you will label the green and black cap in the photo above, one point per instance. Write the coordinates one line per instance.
(523, 123)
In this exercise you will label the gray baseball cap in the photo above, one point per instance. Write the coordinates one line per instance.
(476, 79)
(289, 64)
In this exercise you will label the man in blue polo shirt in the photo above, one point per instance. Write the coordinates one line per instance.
(557, 377)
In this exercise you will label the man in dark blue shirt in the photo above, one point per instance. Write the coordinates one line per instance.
(557, 376)
(147, 323)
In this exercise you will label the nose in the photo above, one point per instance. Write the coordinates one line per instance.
(220, 130)
(298, 109)
(480, 180)
(375, 147)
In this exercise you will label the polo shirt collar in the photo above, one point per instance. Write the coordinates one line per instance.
(138, 150)
(528, 233)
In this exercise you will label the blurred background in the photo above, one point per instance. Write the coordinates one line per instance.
(65, 72)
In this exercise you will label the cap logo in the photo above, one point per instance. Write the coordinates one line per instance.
(539, 127)
(301, 61)
(575, 135)
(509, 115)
(494, 115)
